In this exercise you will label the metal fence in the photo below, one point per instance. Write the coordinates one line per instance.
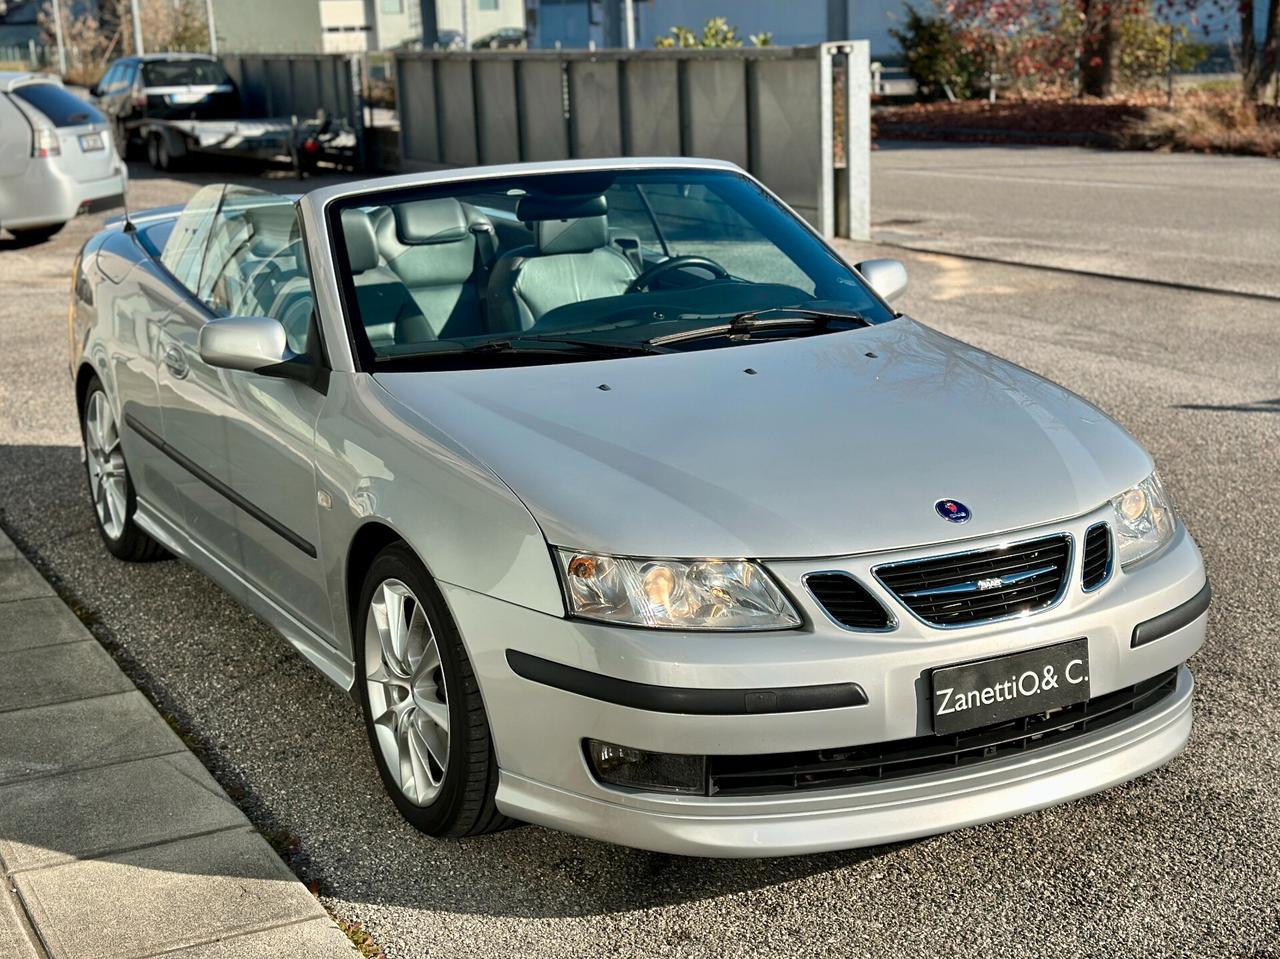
(796, 117)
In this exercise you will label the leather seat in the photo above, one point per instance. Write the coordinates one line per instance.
(441, 250)
(571, 260)
(388, 311)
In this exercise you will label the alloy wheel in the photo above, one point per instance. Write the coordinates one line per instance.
(407, 694)
(108, 481)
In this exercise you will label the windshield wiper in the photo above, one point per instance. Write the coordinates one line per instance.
(744, 324)
(535, 345)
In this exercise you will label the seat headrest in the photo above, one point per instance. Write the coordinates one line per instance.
(431, 221)
(274, 226)
(362, 245)
(581, 235)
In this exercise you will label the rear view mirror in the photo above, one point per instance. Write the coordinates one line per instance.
(886, 277)
(249, 343)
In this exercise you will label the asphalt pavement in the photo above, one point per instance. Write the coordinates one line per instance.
(1183, 861)
(1180, 218)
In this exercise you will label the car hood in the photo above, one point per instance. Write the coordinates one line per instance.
(819, 446)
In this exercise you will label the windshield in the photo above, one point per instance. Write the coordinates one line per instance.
(182, 73)
(62, 108)
(540, 268)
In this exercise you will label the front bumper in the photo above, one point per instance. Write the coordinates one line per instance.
(870, 815)
(538, 729)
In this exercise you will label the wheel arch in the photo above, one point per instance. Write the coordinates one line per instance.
(85, 374)
(369, 540)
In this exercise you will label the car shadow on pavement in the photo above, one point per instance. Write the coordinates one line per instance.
(290, 748)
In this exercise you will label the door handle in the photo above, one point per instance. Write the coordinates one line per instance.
(176, 361)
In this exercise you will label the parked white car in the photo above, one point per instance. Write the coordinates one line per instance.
(57, 159)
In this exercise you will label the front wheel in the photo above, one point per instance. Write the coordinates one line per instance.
(110, 488)
(422, 708)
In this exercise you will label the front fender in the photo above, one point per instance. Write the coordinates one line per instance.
(378, 461)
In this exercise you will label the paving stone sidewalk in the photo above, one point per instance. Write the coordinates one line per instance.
(114, 841)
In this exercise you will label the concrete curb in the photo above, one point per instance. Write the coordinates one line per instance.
(115, 842)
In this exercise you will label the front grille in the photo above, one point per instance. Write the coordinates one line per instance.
(882, 762)
(978, 586)
(1095, 564)
(847, 601)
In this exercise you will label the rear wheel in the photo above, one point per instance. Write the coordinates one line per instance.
(423, 714)
(158, 154)
(37, 234)
(110, 488)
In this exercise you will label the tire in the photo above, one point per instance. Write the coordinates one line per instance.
(110, 488)
(411, 679)
(158, 153)
(36, 234)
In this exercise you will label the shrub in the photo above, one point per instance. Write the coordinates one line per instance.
(717, 33)
(1147, 49)
(936, 57)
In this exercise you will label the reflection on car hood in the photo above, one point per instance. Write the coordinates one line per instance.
(834, 445)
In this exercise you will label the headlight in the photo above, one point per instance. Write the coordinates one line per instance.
(1143, 520)
(673, 594)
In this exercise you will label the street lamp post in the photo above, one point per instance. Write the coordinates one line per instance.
(629, 19)
(213, 33)
(57, 32)
(137, 27)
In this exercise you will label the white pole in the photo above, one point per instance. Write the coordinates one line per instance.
(137, 27)
(213, 33)
(629, 16)
(466, 21)
(57, 32)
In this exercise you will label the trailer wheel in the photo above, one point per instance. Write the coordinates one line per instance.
(158, 154)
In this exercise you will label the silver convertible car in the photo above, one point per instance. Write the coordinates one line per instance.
(623, 505)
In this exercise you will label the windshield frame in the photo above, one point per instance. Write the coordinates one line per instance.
(476, 180)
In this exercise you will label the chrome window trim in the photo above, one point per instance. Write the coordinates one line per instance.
(1067, 576)
(1111, 557)
(888, 610)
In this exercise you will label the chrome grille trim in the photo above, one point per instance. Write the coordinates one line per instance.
(1068, 567)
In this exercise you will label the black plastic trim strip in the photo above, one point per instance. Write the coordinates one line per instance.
(1166, 623)
(219, 487)
(674, 699)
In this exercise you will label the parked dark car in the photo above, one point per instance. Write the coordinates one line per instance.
(507, 38)
(164, 86)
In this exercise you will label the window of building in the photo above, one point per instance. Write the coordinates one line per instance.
(393, 6)
(489, 4)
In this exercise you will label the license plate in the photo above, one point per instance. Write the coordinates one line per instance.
(90, 142)
(1010, 687)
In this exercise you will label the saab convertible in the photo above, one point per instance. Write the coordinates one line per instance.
(623, 505)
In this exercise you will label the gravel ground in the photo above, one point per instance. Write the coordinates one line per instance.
(1183, 861)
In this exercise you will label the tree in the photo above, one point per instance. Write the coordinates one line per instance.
(1098, 46)
(1052, 39)
(1259, 65)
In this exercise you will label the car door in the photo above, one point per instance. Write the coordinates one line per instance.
(248, 439)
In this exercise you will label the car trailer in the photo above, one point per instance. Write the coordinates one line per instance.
(296, 144)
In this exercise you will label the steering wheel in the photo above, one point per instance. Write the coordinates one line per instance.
(645, 279)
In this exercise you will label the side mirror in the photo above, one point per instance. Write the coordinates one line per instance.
(886, 277)
(249, 343)
(95, 92)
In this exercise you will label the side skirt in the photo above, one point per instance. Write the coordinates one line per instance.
(332, 663)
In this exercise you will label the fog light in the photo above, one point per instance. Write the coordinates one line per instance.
(668, 772)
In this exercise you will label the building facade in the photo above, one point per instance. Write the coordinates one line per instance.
(267, 26)
(582, 23)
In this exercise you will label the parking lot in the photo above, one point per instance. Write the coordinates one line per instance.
(1183, 861)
